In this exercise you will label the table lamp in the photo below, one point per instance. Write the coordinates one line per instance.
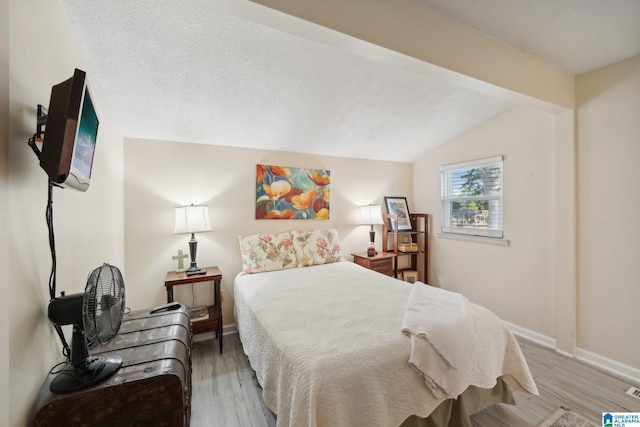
(371, 215)
(192, 219)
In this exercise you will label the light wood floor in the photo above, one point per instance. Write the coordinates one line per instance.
(226, 394)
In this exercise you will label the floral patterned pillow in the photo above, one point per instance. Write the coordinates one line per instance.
(316, 247)
(267, 252)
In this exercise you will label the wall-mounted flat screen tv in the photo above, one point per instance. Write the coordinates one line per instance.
(70, 134)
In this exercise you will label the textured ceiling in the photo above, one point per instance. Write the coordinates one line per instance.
(196, 74)
(576, 35)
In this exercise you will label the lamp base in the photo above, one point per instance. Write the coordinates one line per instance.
(193, 246)
(196, 272)
(193, 268)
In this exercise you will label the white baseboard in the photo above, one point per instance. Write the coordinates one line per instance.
(229, 329)
(611, 366)
(226, 330)
(536, 337)
(203, 337)
(617, 369)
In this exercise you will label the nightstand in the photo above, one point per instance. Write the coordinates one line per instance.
(382, 262)
(214, 322)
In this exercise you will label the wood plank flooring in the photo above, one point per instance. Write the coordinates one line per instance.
(226, 393)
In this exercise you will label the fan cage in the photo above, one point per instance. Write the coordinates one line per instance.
(103, 304)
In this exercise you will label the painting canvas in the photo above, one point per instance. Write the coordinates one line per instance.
(284, 192)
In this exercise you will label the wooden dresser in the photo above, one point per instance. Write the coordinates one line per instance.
(152, 388)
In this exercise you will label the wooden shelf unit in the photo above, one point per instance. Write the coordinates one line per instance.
(416, 261)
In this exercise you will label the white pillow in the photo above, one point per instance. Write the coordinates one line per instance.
(267, 252)
(316, 247)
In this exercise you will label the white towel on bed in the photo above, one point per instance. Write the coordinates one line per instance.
(444, 322)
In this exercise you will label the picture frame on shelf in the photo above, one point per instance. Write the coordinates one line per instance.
(400, 207)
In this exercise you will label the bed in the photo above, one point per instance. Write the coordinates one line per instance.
(326, 345)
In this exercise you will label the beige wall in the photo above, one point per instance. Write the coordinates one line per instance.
(515, 282)
(608, 128)
(573, 277)
(565, 250)
(4, 217)
(161, 175)
(88, 226)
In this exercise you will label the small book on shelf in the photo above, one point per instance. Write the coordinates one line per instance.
(198, 313)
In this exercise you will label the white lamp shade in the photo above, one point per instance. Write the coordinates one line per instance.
(192, 219)
(371, 215)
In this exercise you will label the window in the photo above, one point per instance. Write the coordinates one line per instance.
(471, 197)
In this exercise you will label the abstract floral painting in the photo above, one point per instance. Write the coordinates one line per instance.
(292, 193)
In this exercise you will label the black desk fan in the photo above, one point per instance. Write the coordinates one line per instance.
(96, 315)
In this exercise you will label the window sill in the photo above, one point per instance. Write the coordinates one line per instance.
(474, 239)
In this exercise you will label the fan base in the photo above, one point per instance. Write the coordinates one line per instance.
(90, 371)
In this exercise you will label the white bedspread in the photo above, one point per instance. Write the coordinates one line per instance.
(327, 347)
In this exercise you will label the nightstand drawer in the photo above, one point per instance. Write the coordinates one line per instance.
(381, 263)
(383, 266)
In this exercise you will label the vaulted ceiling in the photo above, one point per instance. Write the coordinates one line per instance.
(197, 73)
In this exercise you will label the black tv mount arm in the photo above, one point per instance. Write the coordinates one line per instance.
(37, 137)
(41, 124)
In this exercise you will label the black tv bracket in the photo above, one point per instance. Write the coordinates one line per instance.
(40, 125)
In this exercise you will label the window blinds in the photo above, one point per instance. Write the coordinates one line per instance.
(471, 198)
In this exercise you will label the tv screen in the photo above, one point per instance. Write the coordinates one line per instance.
(70, 134)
